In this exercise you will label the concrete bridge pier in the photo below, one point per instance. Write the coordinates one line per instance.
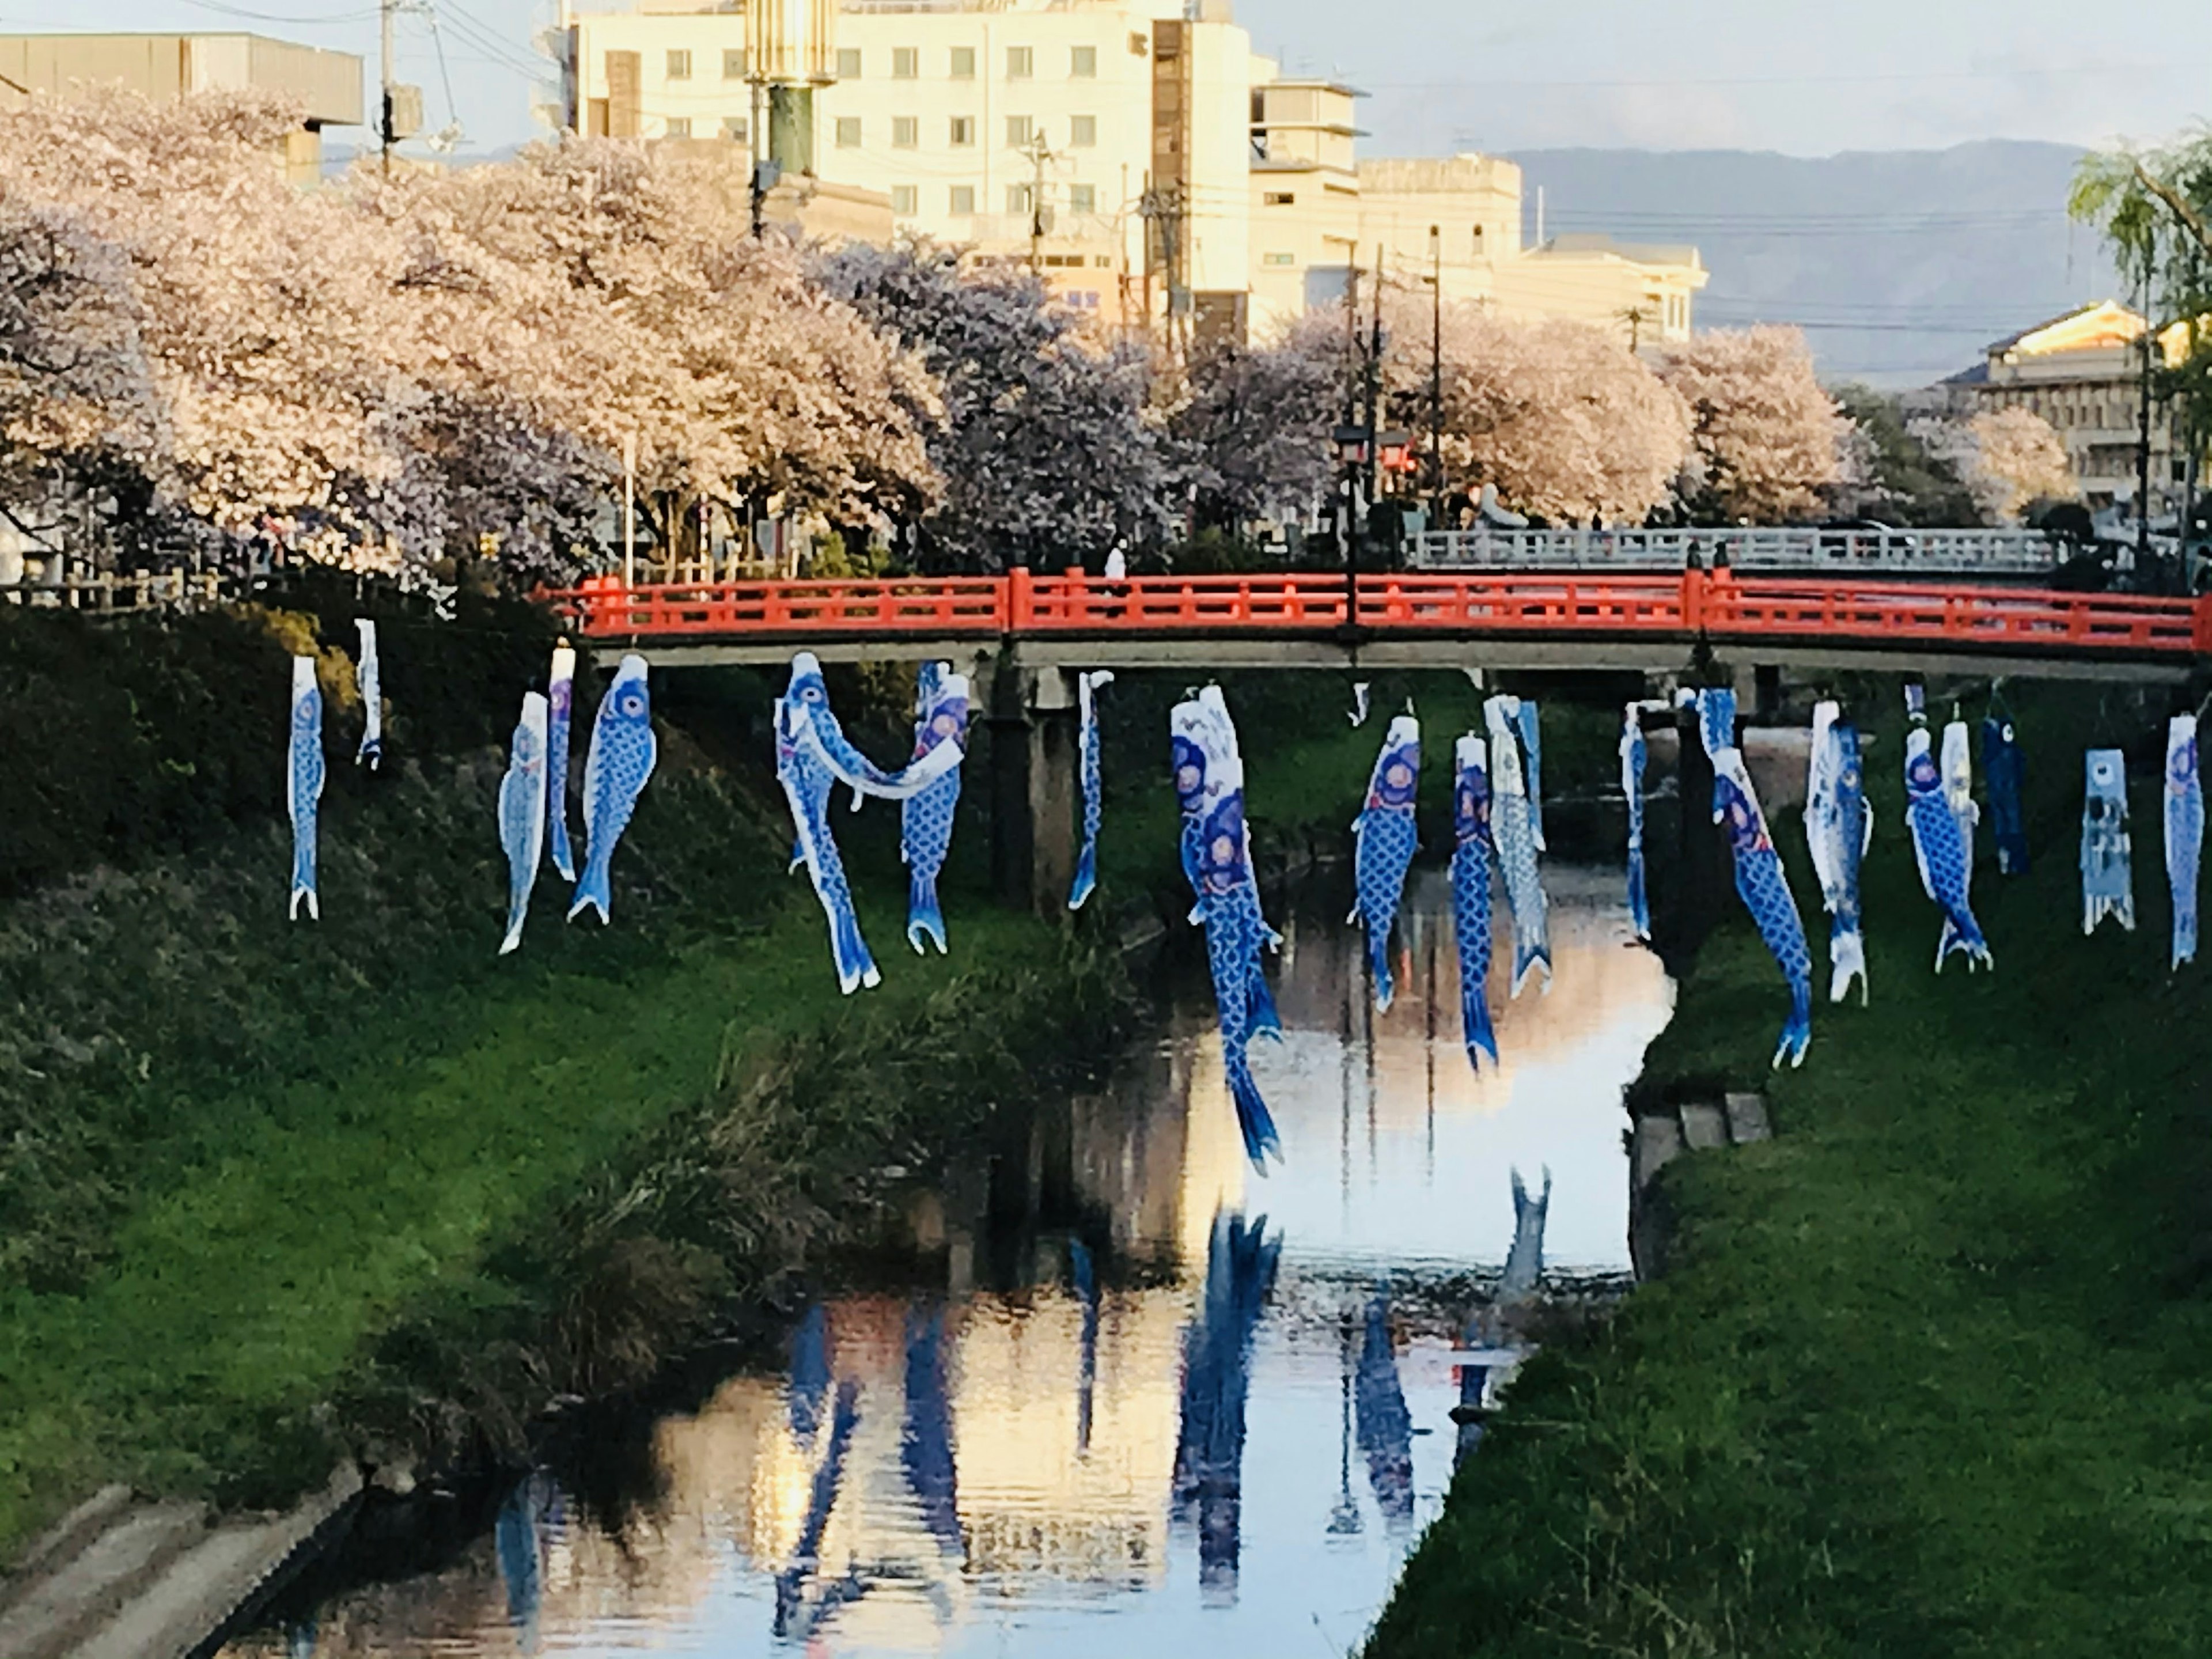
(1032, 726)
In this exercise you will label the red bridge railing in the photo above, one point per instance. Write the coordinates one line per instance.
(1695, 603)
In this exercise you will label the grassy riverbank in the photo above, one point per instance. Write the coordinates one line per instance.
(1926, 1373)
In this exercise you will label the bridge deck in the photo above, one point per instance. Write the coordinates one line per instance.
(1406, 618)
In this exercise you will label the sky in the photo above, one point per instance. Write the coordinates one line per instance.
(1443, 75)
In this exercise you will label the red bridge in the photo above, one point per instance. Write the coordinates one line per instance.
(1518, 619)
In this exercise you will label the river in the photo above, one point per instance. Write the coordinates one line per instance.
(1123, 1397)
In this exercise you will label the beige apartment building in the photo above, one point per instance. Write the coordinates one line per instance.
(2083, 374)
(1151, 163)
(165, 67)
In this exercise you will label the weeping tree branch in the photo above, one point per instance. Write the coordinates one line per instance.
(2177, 203)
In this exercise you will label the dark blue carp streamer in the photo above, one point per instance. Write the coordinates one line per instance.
(1209, 778)
(1941, 852)
(2004, 775)
(303, 784)
(1472, 855)
(622, 757)
(2185, 831)
(2107, 866)
(1837, 831)
(1086, 708)
(1760, 881)
(1384, 841)
(925, 817)
(560, 698)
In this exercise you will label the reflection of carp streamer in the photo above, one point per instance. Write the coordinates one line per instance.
(1760, 881)
(1386, 1427)
(1384, 840)
(812, 758)
(1217, 1379)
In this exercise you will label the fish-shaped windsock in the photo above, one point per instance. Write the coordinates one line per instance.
(1760, 881)
(1522, 712)
(2004, 776)
(2107, 874)
(522, 814)
(1634, 753)
(615, 770)
(1086, 710)
(812, 758)
(1524, 1261)
(1941, 852)
(1231, 904)
(560, 697)
(1958, 791)
(303, 783)
(1384, 840)
(1470, 883)
(925, 819)
(1202, 740)
(1837, 831)
(1358, 715)
(372, 697)
(1514, 836)
(2185, 831)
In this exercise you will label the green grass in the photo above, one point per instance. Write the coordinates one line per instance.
(1926, 1373)
(245, 1290)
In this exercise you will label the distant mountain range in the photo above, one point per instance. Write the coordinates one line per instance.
(1900, 265)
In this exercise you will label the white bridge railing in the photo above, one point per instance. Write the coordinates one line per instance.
(1992, 553)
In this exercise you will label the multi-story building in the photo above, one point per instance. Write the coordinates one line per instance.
(1137, 152)
(2083, 374)
(166, 67)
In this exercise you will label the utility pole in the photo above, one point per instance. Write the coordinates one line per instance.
(1038, 155)
(1437, 377)
(2142, 437)
(384, 83)
(1370, 473)
(1347, 531)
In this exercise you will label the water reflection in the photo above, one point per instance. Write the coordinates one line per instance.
(1111, 1408)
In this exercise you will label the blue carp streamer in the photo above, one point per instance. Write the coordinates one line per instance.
(925, 819)
(812, 758)
(620, 760)
(560, 699)
(1958, 791)
(303, 784)
(1760, 881)
(1941, 852)
(367, 676)
(1471, 853)
(2185, 831)
(522, 815)
(2107, 872)
(1634, 755)
(1384, 840)
(1086, 708)
(1837, 831)
(1202, 736)
(1532, 764)
(2004, 775)
(1514, 838)
(1229, 907)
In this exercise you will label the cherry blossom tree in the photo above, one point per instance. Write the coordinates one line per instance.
(2007, 458)
(1766, 437)
(1253, 425)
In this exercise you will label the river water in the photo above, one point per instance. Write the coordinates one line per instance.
(1125, 1398)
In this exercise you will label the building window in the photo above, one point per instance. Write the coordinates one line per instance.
(680, 126)
(963, 198)
(1279, 198)
(906, 132)
(905, 200)
(1018, 199)
(679, 65)
(733, 63)
(1083, 63)
(1279, 259)
(1082, 131)
(848, 132)
(963, 63)
(848, 63)
(905, 64)
(964, 132)
(733, 128)
(1020, 128)
(1083, 198)
(1021, 63)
